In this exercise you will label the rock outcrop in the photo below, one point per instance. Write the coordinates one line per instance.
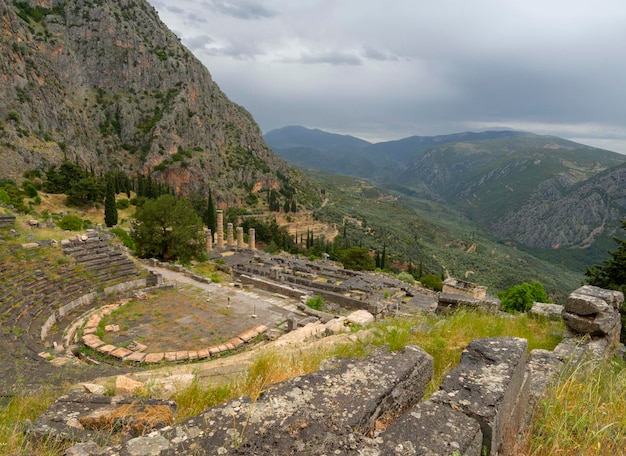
(106, 84)
(594, 311)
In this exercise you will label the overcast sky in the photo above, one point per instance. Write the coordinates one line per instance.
(384, 70)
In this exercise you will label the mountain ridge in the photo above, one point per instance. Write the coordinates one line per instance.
(538, 191)
(107, 85)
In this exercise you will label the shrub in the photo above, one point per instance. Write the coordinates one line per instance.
(71, 223)
(122, 204)
(432, 281)
(30, 190)
(123, 236)
(406, 277)
(520, 298)
(315, 302)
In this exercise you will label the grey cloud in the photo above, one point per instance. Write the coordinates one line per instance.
(242, 9)
(198, 42)
(375, 54)
(330, 58)
(362, 67)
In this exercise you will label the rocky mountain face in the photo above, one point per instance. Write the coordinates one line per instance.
(538, 191)
(107, 85)
(541, 192)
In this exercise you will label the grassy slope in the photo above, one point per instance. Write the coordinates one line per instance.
(420, 230)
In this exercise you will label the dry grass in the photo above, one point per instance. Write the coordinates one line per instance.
(12, 419)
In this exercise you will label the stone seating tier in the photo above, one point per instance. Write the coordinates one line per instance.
(33, 287)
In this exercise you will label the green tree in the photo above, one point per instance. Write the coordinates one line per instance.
(110, 208)
(432, 281)
(61, 180)
(85, 191)
(169, 229)
(357, 259)
(210, 215)
(520, 298)
(612, 273)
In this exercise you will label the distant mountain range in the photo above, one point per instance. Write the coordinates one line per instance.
(536, 191)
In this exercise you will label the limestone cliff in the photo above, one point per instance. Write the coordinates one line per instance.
(107, 85)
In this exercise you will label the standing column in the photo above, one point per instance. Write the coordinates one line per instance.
(239, 238)
(209, 241)
(220, 229)
(251, 240)
(230, 243)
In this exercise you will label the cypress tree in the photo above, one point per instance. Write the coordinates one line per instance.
(210, 216)
(383, 258)
(110, 209)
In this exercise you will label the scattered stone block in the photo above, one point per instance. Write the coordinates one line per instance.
(204, 353)
(125, 386)
(106, 349)
(584, 304)
(550, 311)
(121, 352)
(93, 388)
(154, 358)
(336, 326)
(112, 328)
(361, 318)
(601, 324)
(137, 357)
(170, 356)
(137, 347)
(182, 355)
(236, 342)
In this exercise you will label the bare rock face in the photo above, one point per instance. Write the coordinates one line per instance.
(107, 84)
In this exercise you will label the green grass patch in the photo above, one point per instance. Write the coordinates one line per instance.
(584, 413)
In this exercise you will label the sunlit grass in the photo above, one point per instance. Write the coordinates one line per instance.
(445, 337)
(584, 413)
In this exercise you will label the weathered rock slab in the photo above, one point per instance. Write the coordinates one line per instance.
(81, 417)
(601, 324)
(613, 298)
(550, 311)
(361, 317)
(337, 408)
(486, 384)
(433, 429)
(584, 304)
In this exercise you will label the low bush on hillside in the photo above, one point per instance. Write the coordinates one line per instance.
(432, 281)
(315, 302)
(123, 236)
(73, 223)
(520, 298)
